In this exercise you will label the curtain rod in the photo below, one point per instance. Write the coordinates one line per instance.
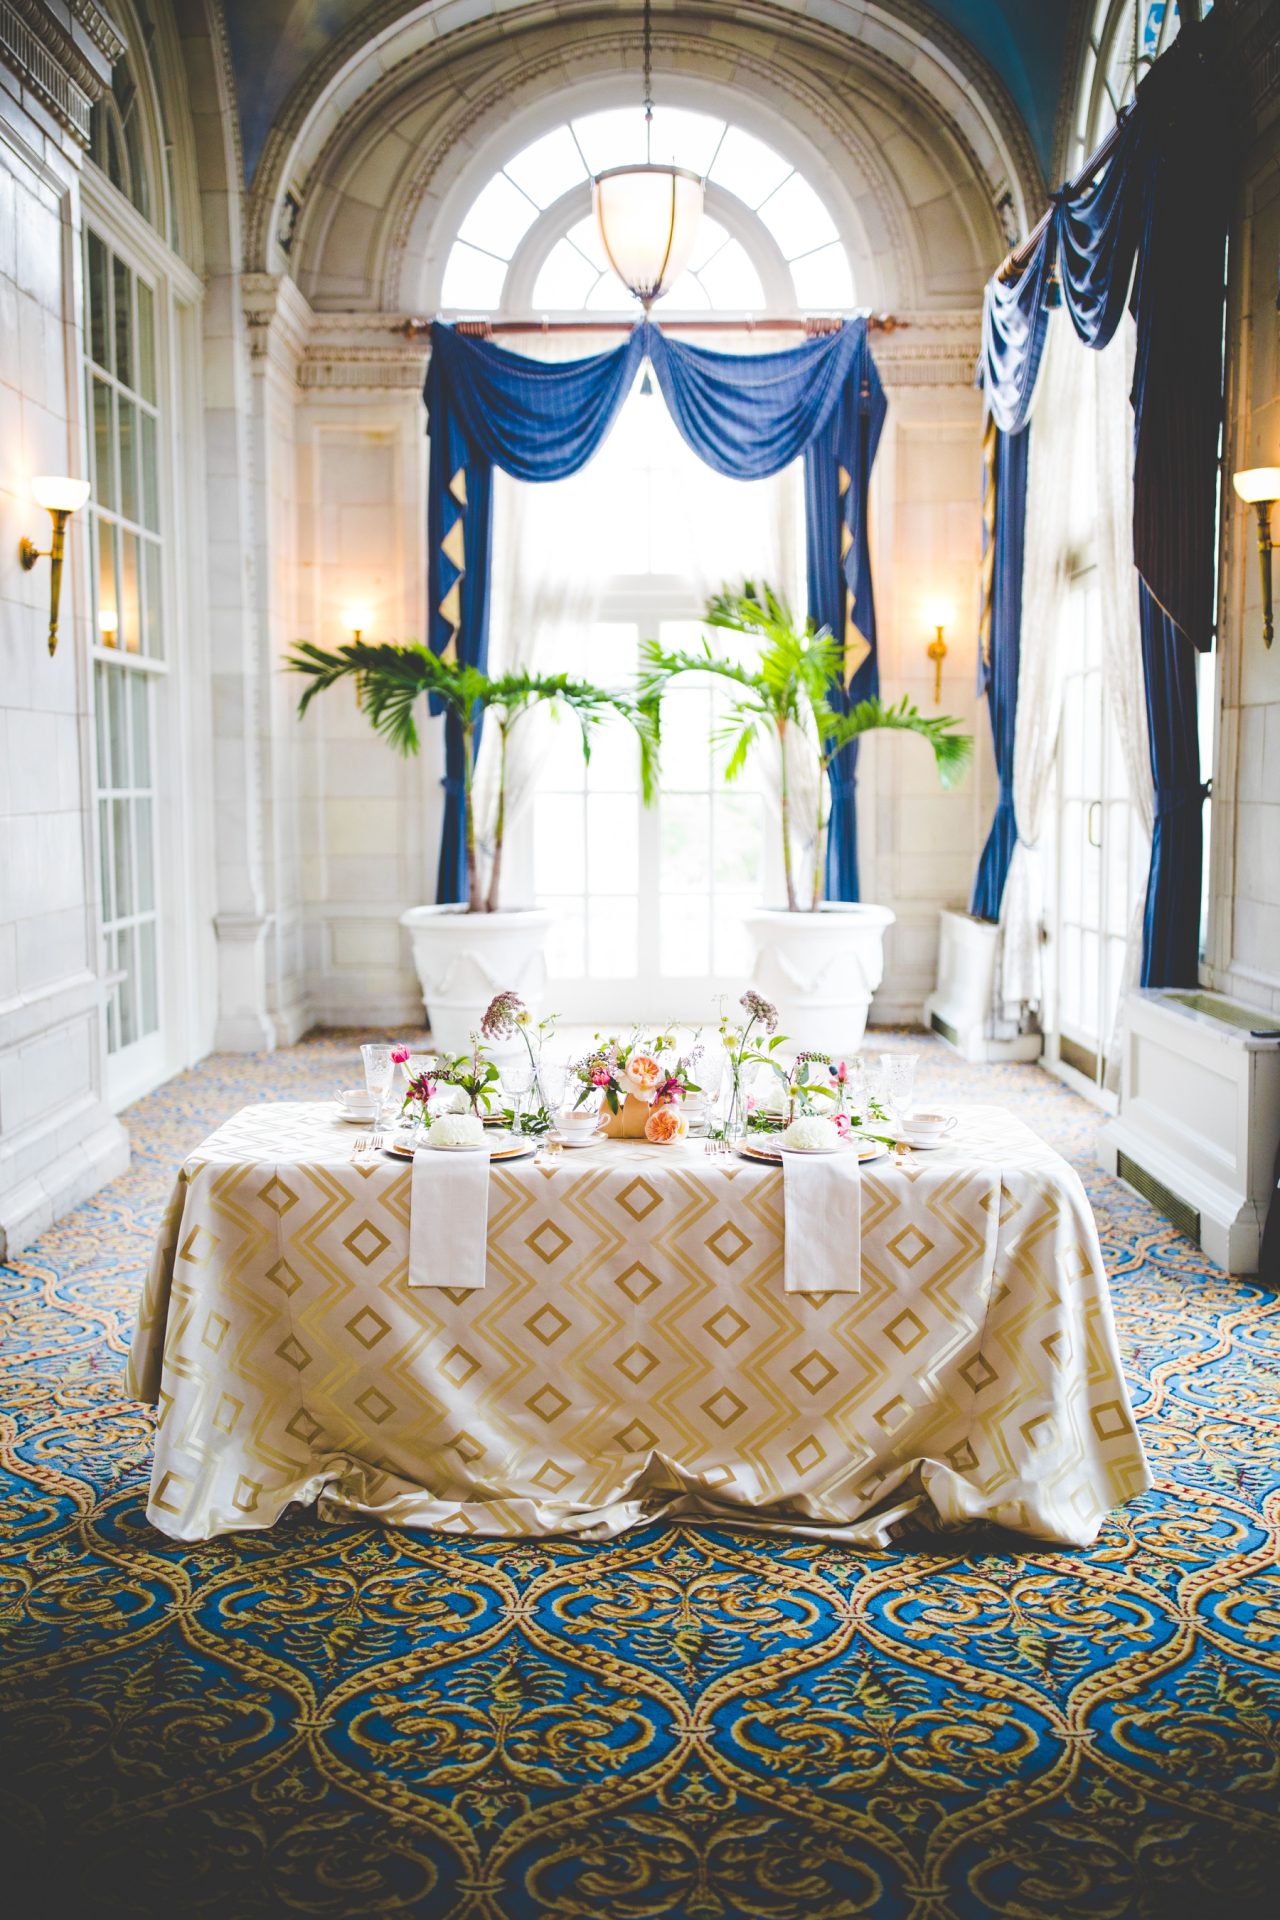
(811, 326)
(1018, 258)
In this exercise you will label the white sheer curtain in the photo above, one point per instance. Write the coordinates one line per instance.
(1122, 672)
(645, 508)
(1056, 443)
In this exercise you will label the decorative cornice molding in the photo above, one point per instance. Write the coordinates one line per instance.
(278, 319)
(37, 49)
(103, 32)
(358, 352)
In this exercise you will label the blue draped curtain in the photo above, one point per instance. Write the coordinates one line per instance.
(746, 415)
(1149, 231)
(999, 653)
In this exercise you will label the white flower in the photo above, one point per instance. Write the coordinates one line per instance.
(452, 1100)
(773, 1098)
(810, 1134)
(456, 1130)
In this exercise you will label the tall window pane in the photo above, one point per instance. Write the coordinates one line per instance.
(125, 513)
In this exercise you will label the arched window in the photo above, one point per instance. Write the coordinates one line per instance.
(1127, 37)
(528, 242)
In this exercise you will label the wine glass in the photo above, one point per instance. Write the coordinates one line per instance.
(379, 1071)
(899, 1071)
(517, 1079)
(553, 1080)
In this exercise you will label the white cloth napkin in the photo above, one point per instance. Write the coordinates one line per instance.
(822, 1222)
(448, 1218)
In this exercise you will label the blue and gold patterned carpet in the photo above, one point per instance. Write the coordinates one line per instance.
(692, 1724)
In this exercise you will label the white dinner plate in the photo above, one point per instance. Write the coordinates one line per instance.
(497, 1149)
(867, 1150)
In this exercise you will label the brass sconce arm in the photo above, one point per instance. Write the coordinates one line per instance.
(939, 615)
(1260, 488)
(60, 497)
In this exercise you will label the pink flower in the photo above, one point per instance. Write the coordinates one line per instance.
(751, 1103)
(841, 1123)
(601, 1077)
(399, 1055)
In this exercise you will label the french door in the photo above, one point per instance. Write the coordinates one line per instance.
(1101, 853)
(649, 902)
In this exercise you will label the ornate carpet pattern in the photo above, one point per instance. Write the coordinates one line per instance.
(690, 1723)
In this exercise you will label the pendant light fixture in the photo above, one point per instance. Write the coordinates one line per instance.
(648, 215)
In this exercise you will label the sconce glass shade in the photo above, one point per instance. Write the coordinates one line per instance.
(1257, 483)
(939, 613)
(57, 494)
(359, 619)
(648, 219)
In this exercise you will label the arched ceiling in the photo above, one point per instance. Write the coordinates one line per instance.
(1028, 44)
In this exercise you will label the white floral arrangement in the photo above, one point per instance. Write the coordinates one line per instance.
(811, 1133)
(456, 1130)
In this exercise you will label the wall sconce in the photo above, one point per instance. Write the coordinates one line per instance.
(1260, 487)
(358, 618)
(109, 627)
(939, 615)
(61, 497)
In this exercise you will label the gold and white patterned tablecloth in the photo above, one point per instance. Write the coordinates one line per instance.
(633, 1352)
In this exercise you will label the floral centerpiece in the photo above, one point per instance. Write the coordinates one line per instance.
(472, 1075)
(505, 1018)
(635, 1076)
(743, 1052)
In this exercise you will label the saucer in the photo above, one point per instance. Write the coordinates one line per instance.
(921, 1144)
(353, 1119)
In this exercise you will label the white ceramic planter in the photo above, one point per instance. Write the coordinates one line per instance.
(463, 959)
(820, 970)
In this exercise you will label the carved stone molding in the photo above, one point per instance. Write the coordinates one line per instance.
(65, 76)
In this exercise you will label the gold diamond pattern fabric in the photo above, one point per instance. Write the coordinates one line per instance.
(632, 1352)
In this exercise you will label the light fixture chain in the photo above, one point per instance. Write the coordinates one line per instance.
(648, 80)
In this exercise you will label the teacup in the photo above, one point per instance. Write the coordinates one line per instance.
(927, 1125)
(355, 1101)
(577, 1123)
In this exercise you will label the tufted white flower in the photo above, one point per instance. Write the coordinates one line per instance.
(810, 1134)
(455, 1130)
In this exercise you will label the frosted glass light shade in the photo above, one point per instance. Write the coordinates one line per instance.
(648, 220)
(57, 494)
(1257, 483)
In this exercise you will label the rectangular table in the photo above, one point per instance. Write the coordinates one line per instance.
(632, 1353)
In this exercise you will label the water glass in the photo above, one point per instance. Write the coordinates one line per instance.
(899, 1071)
(553, 1081)
(379, 1071)
(517, 1079)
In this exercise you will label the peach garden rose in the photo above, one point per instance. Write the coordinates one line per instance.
(641, 1075)
(665, 1124)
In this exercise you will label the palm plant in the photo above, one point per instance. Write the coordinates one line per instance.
(390, 678)
(786, 692)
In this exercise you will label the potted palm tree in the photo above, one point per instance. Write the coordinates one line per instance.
(465, 952)
(818, 960)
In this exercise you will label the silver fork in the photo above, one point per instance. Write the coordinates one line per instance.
(366, 1146)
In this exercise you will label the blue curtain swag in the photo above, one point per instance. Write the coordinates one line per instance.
(746, 415)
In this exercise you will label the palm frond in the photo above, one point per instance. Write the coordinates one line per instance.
(952, 749)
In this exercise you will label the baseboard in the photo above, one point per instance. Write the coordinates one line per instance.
(72, 1175)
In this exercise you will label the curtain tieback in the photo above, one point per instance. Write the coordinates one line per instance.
(452, 782)
(1171, 799)
(843, 785)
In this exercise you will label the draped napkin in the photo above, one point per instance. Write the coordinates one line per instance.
(822, 1222)
(448, 1218)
